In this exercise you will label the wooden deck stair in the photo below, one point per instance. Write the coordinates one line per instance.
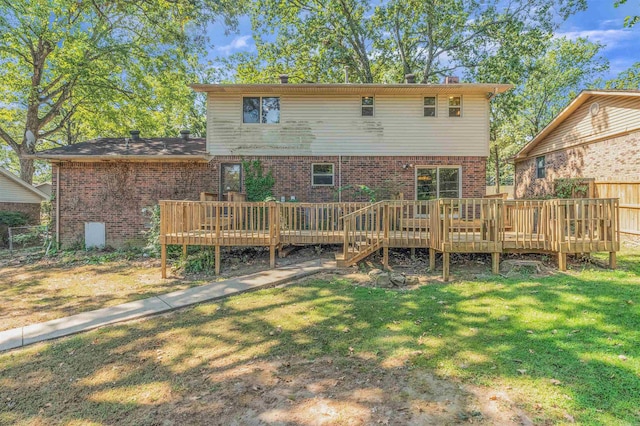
(355, 254)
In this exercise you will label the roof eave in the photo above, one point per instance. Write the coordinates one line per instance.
(400, 88)
(115, 157)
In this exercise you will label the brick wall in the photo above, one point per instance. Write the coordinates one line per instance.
(116, 192)
(612, 159)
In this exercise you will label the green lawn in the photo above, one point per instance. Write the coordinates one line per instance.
(563, 347)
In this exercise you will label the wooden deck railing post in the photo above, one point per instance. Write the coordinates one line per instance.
(163, 237)
(272, 234)
(561, 235)
(385, 237)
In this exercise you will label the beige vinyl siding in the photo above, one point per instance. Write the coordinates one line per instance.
(12, 192)
(333, 125)
(617, 115)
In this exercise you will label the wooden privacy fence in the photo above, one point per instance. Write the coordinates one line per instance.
(466, 225)
(629, 195)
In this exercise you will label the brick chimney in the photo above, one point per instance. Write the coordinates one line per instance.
(284, 78)
(450, 79)
(410, 78)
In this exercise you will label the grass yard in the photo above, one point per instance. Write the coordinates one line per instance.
(556, 349)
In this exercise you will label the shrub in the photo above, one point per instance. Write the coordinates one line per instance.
(9, 219)
(259, 186)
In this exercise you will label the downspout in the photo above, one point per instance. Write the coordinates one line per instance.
(58, 206)
(339, 178)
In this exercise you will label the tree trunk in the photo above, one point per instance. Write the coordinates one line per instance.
(26, 167)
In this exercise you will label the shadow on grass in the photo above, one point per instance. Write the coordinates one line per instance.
(508, 334)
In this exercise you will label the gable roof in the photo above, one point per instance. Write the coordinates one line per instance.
(149, 149)
(579, 100)
(27, 187)
(355, 88)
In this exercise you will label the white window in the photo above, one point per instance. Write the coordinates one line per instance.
(455, 106)
(438, 182)
(367, 106)
(265, 110)
(430, 105)
(322, 174)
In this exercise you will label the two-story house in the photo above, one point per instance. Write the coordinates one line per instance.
(422, 140)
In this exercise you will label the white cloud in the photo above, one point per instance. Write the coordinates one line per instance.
(238, 43)
(610, 38)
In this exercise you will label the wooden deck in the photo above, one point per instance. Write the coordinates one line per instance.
(445, 225)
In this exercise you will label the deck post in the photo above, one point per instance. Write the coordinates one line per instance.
(445, 265)
(217, 259)
(163, 259)
(385, 258)
(184, 251)
(413, 253)
(612, 260)
(495, 263)
(432, 259)
(562, 261)
(272, 256)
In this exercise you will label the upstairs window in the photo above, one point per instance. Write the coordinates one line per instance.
(367, 106)
(541, 170)
(455, 106)
(264, 110)
(430, 106)
(322, 174)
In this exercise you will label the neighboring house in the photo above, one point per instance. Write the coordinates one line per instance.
(597, 136)
(19, 196)
(45, 188)
(421, 140)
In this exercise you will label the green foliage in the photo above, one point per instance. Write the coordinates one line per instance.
(571, 188)
(631, 20)
(547, 73)
(10, 218)
(381, 42)
(152, 234)
(201, 261)
(76, 69)
(356, 192)
(258, 185)
(627, 79)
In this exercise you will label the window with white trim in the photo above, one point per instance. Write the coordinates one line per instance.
(438, 182)
(261, 110)
(430, 105)
(455, 106)
(322, 174)
(368, 106)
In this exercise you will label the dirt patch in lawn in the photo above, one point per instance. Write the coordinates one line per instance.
(49, 289)
(351, 391)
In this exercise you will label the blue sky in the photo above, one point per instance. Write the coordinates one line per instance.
(601, 22)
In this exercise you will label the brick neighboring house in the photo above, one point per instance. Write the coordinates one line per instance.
(596, 136)
(422, 140)
(17, 195)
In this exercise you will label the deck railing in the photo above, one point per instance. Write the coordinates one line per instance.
(314, 223)
(467, 225)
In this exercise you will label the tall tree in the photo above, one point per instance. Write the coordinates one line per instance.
(545, 82)
(315, 39)
(63, 63)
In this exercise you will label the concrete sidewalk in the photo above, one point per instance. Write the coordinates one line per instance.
(22, 336)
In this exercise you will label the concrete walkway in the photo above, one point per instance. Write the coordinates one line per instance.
(22, 336)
